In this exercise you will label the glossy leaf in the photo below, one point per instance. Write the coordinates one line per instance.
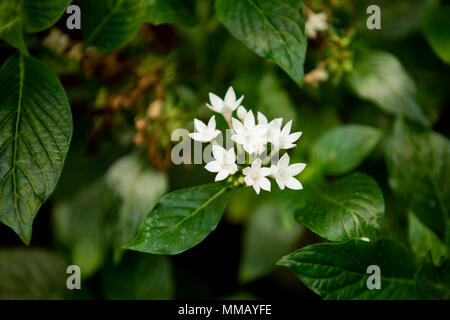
(110, 24)
(339, 271)
(170, 11)
(343, 148)
(379, 77)
(437, 31)
(351, 207)
(419, 173)
(35, 132)
(433, 282)
(31, 275)
(139, 277)
(273, 29)
(181, 219)
(423, 241)
(266, 240)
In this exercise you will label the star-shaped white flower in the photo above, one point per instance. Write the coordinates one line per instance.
(316, 22)
(255, 176)
(226, 106)
(284, 139)
(250, 135)
(224, 163)
(205, 133)
(284, 173)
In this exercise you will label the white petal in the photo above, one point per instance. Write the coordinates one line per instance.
(215, 134)
(199, 125)
(287, 128)
(265, 171)
(256, 187)
(237, 125)
(212, 123)
(249, 121)
(231, 156)
(196, 136)
(233, 169)
(261, 118)
(238, 102)
(213, 166)
(221, 175)
(246, 171)
(230, 97)
(293, 183)
(219, 153)
(294, 136)
(241, 113)
(216, 102)
(265, 184)
(280, 183)
(296, 168)
(284, 161)
(256, 164)
(248, 181)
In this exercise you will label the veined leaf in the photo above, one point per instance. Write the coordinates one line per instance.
(433, 282)
(31, 274)
(339, 271)
(437, 31)
(343, 148)
(28, 15)
(181, 219)
(35, 133)
(274, 29)
(139, 277)
(379, 77)
(419, 172)
(170, 11)
(352, 207)
(110, 24)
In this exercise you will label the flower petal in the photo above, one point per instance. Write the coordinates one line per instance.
(296, 168)
(221, 175)
(199, 125)
(265, 184)
(212, 123)
(280, 183)
(261, 118)
(293, 183)
(216, 102)
(213, 166)
(230, 97)
(294, 136)
(237, 125)
(265, 171)
(219, 153)
(238, 102)
(249, 121)
(284, 161)
(196, 136)
(256, 187)
(287, 128)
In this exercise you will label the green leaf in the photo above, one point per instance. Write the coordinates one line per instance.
(28, 15)
(419, 172)
(111, 24)
(273, 29)
(31, 274)
(79, 225)
(423, 241)
(437, 31)
(139, 277)
(182, 219)
(433, 282)
(132, 190)
(35, 133)
(379, 77)
(265, 240)
(171, 11)
(343, 148)
(351, 207)
(339, 271)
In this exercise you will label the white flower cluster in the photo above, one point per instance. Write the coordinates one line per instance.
(254, 137)
(315, 23)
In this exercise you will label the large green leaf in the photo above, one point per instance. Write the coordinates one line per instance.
(274, 29)
(171, 11)
(181, 219)
(419, 172)
(266, 240)
(28, 15)
(339, 271)
(79, 225)
(110, 24)
(433, 282)
(32, 274)
(343, 148)
(423, 241)
(379, 77)
(35, 133)
(437, 31)
(139, 277)
(352, 207)
(133, 189)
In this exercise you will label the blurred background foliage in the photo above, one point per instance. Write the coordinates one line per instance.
(126, 103)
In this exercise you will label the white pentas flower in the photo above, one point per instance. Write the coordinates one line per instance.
(284, 173)
(255, 176)
(254, 136)
(205, 133)
(224, 163)
(225, 106)
(249, 134)
(315, 23)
